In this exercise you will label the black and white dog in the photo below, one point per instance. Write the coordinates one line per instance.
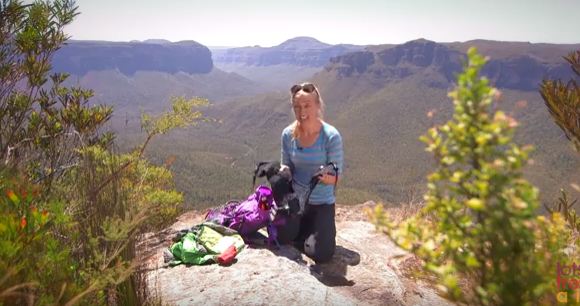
(280, 179)
(279, 176)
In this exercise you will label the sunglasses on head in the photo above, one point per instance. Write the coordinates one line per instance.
(307, 88)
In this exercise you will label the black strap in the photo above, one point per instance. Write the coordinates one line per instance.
(315, 179)
(335, 168)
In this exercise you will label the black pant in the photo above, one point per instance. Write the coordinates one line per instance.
(314, 233)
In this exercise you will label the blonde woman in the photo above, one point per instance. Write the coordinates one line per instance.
(308, 143)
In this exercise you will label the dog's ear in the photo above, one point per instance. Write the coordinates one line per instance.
(261, 169)
(267, 168)
(272, 169)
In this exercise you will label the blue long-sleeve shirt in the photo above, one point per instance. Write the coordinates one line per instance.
(305, 161)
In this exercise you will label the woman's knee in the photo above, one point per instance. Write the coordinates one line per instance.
(288, 232)
(319, 251)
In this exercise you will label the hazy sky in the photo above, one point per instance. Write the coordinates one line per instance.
(268, 23)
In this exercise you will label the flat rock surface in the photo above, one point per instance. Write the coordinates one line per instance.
(367, 269)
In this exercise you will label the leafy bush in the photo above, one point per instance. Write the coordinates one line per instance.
(479, 221)
(71, 206)
(27, 245)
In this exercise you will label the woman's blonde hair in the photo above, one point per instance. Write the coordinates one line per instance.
(306, 88)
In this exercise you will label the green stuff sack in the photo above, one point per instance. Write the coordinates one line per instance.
(189, 251)
(204, 243)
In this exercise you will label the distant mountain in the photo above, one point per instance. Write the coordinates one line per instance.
(302, 51)
(157, 41)
(138, 76)
(292, 61)
(395, 63)
(522, 71)
(80, 57)
(303, 43)
(546, 53)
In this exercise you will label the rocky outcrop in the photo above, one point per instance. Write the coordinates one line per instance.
(300, 51)
(80, 57)
(522, 71)
(367, 269)
(399, 61)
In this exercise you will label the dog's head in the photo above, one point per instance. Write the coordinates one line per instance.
(267, 169)
(280, 179)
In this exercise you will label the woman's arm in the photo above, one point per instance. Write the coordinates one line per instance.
(284, 151)
(334, 153)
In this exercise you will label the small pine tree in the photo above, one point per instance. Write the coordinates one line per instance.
(563, 101)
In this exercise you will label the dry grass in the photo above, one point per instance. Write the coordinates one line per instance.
(404, 211)
(410, 207)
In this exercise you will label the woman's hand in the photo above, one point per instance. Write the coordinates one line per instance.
(327, 179)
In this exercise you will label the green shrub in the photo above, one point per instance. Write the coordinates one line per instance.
(72, 207)
(28, 245)
(478, 231)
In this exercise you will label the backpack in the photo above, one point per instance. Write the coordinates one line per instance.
(247, 217)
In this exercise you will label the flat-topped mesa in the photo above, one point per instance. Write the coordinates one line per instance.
(80, 57)
(392, 63)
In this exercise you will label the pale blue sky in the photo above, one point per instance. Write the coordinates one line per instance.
(268, 23)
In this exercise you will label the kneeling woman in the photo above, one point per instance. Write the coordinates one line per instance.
(307, 144)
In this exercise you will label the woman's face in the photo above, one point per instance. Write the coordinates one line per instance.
(305, 107)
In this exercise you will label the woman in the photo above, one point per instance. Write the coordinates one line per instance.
(307, 144)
